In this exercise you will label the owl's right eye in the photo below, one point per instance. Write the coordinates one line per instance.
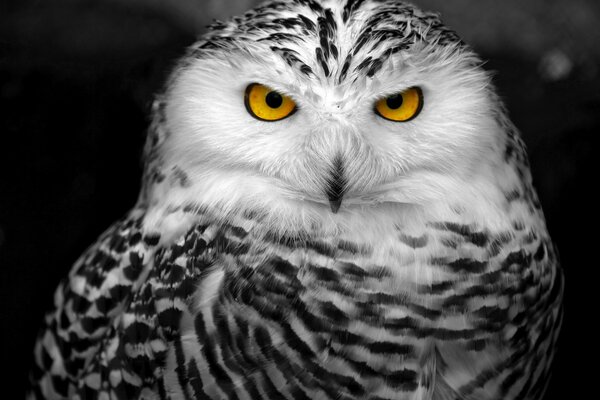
(266, 104)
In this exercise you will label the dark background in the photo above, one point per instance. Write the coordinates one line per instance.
(76, 82)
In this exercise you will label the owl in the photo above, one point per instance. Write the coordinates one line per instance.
(334, 205)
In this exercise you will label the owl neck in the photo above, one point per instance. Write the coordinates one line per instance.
(176, 200)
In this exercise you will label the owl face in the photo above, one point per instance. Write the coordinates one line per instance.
(332, 104)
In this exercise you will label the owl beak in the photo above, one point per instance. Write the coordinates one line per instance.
(335, 204)
(336, 184)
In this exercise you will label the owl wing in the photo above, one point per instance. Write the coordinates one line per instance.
(131, 364)
(515, 312)
(89, 303)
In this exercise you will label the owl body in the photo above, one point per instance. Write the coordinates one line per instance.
(342, 250)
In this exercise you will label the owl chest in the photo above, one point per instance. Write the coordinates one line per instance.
(348, 313)
(340, 279)
(345, 287)
(300, 316)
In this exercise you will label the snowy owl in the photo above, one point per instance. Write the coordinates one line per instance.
(334, 205)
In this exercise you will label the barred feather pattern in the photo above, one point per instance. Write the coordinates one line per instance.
(233, 312)
(319, 320)
(89, 304)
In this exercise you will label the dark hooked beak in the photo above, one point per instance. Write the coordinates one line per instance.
(335, 204)
(336, 184)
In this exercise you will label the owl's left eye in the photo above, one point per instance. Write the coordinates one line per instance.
(266, 104)
(401, 107)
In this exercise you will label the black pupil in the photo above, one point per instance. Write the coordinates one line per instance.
(274, 100)
(394, 101)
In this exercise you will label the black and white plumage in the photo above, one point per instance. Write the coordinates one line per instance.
(333, 254)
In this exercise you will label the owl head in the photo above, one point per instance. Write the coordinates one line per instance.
(328, 107)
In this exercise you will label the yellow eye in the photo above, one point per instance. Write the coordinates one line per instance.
(401, 107)
(266, 104)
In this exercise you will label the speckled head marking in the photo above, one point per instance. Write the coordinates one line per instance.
(333, 40)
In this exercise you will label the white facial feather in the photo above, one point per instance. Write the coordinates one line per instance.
(450, 155)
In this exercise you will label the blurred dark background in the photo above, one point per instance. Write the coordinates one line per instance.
(76, 83)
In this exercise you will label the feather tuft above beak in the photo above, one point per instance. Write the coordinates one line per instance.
(336, 184)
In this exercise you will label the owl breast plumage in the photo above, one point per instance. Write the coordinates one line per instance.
(334, 206)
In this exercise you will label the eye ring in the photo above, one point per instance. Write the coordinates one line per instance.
(402, 106)
(266, 104)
